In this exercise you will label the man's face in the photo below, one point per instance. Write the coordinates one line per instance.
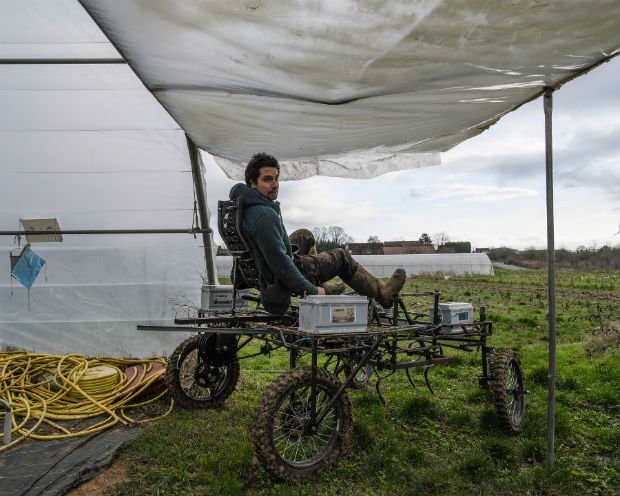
(267, 183)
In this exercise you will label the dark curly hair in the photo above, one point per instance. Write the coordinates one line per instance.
(256, 163)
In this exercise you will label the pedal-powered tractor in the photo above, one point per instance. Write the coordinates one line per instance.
(304, 419)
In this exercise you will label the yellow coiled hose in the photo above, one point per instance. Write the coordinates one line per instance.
(44, 390)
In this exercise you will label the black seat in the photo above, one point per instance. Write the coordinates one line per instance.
(229, 215)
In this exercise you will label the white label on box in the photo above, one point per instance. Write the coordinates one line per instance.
(223, 299)
(342, 315)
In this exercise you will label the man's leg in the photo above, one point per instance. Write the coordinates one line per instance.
(339, 262)
(305, 242)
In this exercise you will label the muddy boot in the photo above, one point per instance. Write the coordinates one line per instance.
(334, 289)
(368, 285)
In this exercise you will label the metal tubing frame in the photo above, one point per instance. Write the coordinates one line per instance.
(548, 108)
(201, 199)
(313, 387)
(323, 413)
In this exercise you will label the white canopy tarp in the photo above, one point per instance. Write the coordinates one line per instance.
(376, 81)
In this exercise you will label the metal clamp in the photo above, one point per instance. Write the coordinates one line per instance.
(7, 421)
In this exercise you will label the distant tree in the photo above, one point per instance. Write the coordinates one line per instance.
(440, 239)
(374, 239)
(457, 246)
(319, 233)
(330, 237)
(338, 235)
(605, 258)
(425, 240)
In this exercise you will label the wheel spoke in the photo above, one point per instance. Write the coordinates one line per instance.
(286, 442)
(291, 439)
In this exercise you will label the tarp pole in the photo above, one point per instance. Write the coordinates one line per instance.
(548, 106)
(201, 200)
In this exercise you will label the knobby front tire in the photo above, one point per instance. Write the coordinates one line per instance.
(281, 435)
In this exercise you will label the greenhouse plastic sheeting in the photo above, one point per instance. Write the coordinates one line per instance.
(90, 146)
(313, 80)
(90, 299)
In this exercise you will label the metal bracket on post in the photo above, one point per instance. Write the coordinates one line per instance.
(8, 417)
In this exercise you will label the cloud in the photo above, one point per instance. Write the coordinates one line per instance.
(476, 193)
(604, 178)
(311, 203)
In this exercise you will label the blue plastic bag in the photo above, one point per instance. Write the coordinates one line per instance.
(27, 267)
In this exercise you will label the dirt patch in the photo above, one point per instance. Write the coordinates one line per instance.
(116, 473)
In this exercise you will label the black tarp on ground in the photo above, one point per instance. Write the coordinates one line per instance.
(53, 467)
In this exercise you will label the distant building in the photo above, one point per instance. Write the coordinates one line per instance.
(365, 248)
(482, 250)
(389, 248)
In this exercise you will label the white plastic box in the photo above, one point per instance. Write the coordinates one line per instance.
(333, 314)
(455, 313)
(219, 298)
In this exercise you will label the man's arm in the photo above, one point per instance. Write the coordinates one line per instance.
(266, 231)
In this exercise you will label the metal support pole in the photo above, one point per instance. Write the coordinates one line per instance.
(548, 106)
(6, 439)
(202, 208)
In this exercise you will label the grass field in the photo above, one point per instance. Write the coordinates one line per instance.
(447, 443)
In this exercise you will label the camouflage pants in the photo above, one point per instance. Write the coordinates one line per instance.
(321, 267)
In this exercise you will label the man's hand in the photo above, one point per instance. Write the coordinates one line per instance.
(321, 290)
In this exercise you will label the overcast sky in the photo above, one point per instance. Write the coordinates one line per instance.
(489, 190)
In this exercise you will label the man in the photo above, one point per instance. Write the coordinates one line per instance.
(280, 275)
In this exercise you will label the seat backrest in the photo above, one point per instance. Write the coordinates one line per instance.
(229, 217)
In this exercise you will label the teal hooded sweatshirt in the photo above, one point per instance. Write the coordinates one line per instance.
(264, 231)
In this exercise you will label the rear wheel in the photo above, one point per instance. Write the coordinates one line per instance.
(195, 383)
(286, 442)
(508, 386)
